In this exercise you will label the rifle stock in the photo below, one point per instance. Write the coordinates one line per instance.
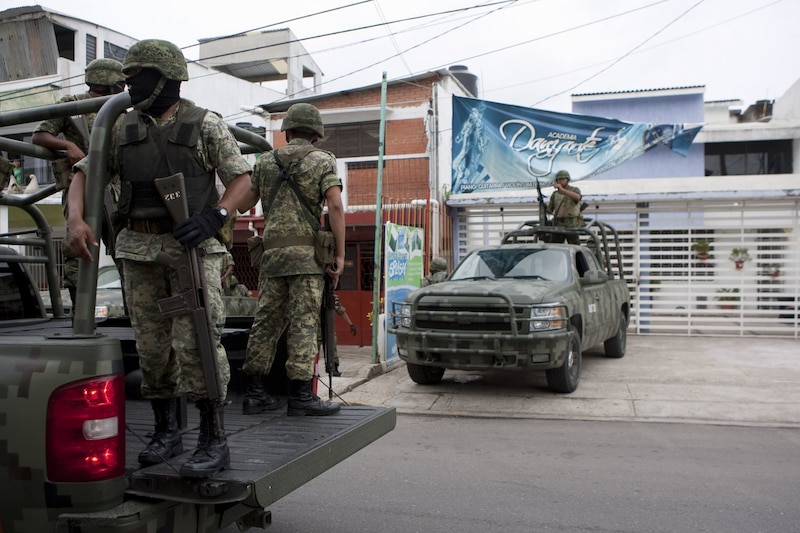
(193, 296)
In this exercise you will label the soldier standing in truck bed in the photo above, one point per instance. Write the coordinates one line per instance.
(71, 135)
(171, 135)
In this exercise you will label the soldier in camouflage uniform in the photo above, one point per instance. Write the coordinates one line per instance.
(342, 312)
(197, 143)
(71, 134)
(6, 169)
(231, 285)
(565, 206)
(291, 280)
(438, 272)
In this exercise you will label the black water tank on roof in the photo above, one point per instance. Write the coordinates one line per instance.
(467, 79)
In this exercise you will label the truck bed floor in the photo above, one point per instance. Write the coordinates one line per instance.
(272, 454)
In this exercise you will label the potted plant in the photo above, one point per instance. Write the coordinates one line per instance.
(772, 270)
(701, 248)
(728, 296)
(739, 256)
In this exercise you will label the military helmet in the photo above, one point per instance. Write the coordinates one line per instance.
(104, 71)
(303, 116)
(562, 174)
(159, 55)
(438, 264)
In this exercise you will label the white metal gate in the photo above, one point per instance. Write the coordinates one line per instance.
(673, 289)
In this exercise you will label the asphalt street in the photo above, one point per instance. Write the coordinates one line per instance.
(746, 381)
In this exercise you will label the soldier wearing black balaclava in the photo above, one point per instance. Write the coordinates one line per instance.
(162, 136)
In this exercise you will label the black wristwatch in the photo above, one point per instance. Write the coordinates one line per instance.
(222, 213)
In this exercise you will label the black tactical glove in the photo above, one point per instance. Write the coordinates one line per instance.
(197, 228)
(352, 329)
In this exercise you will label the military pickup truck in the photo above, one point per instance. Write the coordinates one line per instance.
(524, 304)
(69, 437)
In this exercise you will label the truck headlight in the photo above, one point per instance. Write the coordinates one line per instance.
(405, 315)
(546, 318)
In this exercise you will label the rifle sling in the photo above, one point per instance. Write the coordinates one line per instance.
(303, 202)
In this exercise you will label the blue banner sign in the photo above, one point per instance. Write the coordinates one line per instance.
(501, 147)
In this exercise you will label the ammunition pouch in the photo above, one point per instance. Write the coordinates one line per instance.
(324, 247)
(255, 247)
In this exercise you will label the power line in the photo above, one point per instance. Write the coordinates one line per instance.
(626, 54)
(642, 50)
(411, 48)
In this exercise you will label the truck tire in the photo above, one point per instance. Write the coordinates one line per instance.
(565, 379)
(615, 346)
(425, 375)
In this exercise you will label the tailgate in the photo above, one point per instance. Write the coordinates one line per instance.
(271, 456)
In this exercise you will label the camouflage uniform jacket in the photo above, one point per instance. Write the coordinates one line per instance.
(218, 150)
(6, 169)
(565, 210)
(314, 175)
(72, 133)
(435, 277)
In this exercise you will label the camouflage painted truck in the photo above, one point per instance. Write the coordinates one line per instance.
(69, 437)
(526, 304)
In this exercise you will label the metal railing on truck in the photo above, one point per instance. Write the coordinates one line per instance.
(108, 108)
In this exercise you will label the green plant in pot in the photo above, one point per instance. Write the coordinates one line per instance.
(729, 297)
(739, 256)
(772, 270)
(701, 248)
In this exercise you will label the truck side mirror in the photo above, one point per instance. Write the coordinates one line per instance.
(594, 277)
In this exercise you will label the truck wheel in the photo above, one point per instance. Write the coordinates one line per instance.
(615, 346)
(425, 375)
(565, 379)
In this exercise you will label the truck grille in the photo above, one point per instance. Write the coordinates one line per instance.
(484, 317)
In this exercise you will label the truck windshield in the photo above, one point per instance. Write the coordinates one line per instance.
(514, 263)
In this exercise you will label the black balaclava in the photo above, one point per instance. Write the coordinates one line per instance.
(153, 93)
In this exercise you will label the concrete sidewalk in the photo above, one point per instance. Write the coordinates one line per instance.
(710, 380)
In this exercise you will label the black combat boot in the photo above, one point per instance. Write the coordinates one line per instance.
(303, 402)
(256, 399)
(212, 454)
(166, 441)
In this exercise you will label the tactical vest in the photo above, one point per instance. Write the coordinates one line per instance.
(147, 152)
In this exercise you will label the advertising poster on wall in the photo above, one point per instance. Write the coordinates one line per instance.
(404, 247)
(500, 147)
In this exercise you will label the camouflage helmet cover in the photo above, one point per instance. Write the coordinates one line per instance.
(104, 71)
(438, 264)
(163, 56)
(305, 117)
(562, 174)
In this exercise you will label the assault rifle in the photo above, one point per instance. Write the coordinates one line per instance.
(327, 319)
(542, 207)
(193, 296)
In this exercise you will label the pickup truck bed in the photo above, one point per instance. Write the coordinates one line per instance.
(271, 454)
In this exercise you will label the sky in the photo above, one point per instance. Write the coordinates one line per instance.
(533, 53)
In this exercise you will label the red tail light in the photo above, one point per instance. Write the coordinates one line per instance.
(86, 430)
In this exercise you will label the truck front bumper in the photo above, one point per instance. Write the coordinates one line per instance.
(483, 351)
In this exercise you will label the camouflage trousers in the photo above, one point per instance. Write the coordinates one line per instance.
(168, 347)
(291, 304)
(568, 222)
